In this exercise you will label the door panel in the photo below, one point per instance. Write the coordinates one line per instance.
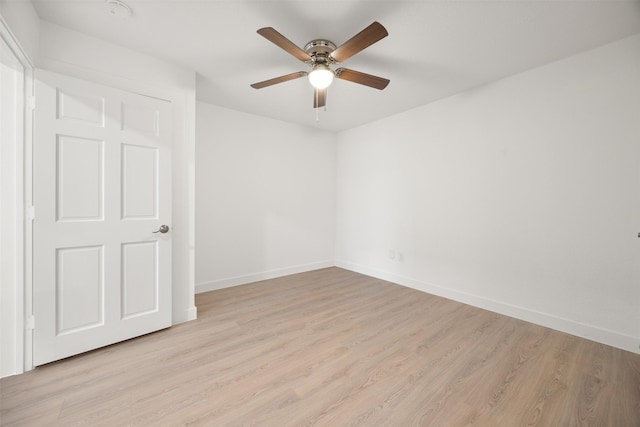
(79, 288)
(85, 109)
(102, 186)
(79, 180)
(140, 118)
(139, 182)
(139, 278)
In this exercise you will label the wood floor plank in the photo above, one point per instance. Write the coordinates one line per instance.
(334, 348)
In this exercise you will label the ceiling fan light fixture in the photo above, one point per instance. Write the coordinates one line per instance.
(321, 76)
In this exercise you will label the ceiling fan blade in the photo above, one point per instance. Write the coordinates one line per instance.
(281, 41)
(280, 79)
(362, 78)
(319, 98)
(360, 41)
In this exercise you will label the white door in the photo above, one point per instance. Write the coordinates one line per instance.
(102, 187)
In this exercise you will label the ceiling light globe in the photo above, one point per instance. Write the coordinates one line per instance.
(321, 76)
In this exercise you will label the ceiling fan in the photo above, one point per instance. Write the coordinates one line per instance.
(321, 55)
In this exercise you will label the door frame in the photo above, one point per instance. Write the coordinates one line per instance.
(23, 183)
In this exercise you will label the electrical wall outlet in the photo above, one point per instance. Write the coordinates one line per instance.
(396, 255)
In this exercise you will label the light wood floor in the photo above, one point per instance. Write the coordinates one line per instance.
(334, 348)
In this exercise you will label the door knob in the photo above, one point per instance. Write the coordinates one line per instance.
(163, 229)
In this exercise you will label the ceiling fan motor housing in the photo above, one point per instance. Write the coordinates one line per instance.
(319, 51)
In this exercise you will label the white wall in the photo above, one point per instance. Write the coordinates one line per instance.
(266, 198)
(23, 21)
(522, 196)
(75, 54)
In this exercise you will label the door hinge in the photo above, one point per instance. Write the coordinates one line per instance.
(31, 213)
(31, 323)
(32, 102)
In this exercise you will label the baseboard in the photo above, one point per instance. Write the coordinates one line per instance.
(256, 277)
(593, 333)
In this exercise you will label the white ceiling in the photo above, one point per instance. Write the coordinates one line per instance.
(434, 49)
